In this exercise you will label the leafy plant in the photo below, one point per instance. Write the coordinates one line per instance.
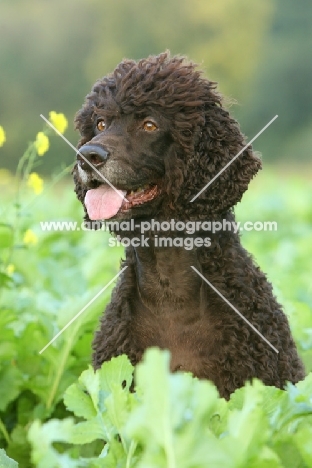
(176, 421)
(48, 418)
(36, 303)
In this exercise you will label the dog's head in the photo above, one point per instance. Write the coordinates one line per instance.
(153, 134)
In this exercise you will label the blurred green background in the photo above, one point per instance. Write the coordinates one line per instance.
(258, 50)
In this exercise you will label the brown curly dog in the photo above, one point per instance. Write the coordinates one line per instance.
(156, 130)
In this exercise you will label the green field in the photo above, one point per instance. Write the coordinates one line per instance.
(171, 421)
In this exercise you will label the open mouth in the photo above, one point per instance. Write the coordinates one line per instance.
(139, 196)
(104, 202)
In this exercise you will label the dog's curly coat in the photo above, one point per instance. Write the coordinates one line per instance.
(162, 125)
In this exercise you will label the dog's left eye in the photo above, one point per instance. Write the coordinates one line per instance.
(101, 125)
(149, 126)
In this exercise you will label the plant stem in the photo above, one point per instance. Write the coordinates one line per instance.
(62, 363)
(4, 432)
(132, 448)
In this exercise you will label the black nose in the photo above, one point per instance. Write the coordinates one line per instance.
(93, 154)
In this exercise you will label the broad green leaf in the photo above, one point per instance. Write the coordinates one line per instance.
(116, 371)
(154, 416)
(11, 380)
(91, 383)
(174, 410)
(265, 458)
(18, 446)
(6, 462)
(88, 431)
(303, 440)
(117, 407)
(294, 404)
(79, 402)
(305, 389)
(285, 447)
(42, 437)
(171, 420)
(91, 398)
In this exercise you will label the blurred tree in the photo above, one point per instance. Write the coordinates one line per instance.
(224, 37)
(282, 85)
(43, 45)
(52, 52)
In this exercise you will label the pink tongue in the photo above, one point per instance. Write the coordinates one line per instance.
(103, 202)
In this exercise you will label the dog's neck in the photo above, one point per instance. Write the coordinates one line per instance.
(164, 274)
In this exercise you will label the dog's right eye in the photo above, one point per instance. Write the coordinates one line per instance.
(101, 125)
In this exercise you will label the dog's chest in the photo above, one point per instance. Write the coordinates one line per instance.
(185, 330)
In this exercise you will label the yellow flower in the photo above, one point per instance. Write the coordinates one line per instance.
(59, 121)
(30, 237)
(2, 136)
(41, 143)
(10, 269)
(35, 182)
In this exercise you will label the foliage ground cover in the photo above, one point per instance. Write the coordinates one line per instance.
(56, 412)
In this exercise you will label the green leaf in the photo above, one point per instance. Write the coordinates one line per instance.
(303, 440)
(293, 405)
(6, 462)
(91, 383)
(264, 459)
(173, 411)
(304, 387)
(42, 437)
(115, 380)
(116, 371)
(79, 402)
(88, 431)
(19, 447)
(286, 449)
(103, 398)
(247, 428)
(118, 406)
(11, 382)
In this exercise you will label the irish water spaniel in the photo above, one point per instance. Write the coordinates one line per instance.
(157, 131)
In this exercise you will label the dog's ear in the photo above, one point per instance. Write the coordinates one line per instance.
(220, 142)
(84, 124)
(173, 178)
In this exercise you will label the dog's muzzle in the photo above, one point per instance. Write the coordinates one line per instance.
(90, 156)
